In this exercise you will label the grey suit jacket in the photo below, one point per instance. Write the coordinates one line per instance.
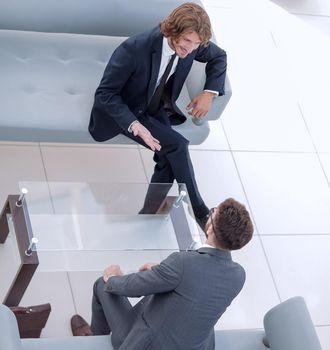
(185, 296)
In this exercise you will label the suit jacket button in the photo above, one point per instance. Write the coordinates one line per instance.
(140, 111)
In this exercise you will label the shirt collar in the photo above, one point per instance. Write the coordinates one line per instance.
(167, 51)
(205, 245)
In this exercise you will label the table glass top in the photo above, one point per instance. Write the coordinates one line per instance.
(90, 216)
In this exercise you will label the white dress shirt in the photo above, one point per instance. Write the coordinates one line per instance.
(167, 52)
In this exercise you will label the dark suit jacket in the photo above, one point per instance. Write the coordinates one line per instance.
(130, 77)
(185, 296)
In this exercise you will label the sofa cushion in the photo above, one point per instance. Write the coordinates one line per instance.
(239, 340)
(48, 82)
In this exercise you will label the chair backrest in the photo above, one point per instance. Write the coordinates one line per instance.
(289, 326)
(9, 335)
(98, 17)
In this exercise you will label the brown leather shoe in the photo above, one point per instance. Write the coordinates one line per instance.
(80, 327)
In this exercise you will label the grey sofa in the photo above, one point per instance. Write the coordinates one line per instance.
(52, 57)
(288, 326)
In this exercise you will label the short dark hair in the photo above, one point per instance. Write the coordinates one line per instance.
(233, 227)
(188, 17)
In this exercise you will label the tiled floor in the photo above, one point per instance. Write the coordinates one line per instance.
(271, 151)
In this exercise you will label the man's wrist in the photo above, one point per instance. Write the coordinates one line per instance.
(130, 126)
(212, 92)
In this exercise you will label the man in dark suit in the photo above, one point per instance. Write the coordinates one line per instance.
(142, 81)
(185, 294)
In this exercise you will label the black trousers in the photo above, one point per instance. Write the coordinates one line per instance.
(172, 161)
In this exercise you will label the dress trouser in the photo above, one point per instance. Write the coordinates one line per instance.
(112, 313)
(172, 162)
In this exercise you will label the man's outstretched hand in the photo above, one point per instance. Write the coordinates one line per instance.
(200, 105)
(139, 130)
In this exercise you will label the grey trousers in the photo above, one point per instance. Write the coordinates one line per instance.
(112, 313)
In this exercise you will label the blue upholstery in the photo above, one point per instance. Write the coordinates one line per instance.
(288, 326)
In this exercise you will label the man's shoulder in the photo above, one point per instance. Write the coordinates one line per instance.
(150, 34)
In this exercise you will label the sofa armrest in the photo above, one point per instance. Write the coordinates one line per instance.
(195, 85)
(9, 336)
(97, 342)
(289, 326)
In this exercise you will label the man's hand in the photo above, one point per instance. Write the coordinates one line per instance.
(139, 130)
(147, 266)
(112, 270)
(200, 105)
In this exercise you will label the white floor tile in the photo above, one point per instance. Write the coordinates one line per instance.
(312, 81)
(263, 112)
(53, 288)
(316, 111)
(288, 193)
(93, 164)
(312, 7)
(216, 139)
(325, 160)
(19, 163)
(324, 337)
(219, 3)
(82, 289)
(258, 294)
(319, 22)
(147, 162)
(254, 124)
(215, 174)
(217, 177)
(300, 265)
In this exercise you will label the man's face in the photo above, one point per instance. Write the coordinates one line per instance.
(185, 43)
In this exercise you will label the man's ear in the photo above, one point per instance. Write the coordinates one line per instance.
(209, 232)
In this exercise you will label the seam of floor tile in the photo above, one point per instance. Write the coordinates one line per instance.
(143, 165)
(71, 291)
(254, 221)
(313, 143)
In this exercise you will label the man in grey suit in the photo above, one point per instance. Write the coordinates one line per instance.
(184, 296)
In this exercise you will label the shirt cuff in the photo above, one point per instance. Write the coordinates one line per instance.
(213, 92)
(130, 126)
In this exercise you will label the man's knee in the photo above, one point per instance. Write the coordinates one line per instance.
(98, 286)
(178, 143)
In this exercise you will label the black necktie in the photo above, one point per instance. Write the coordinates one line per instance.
(155, 99)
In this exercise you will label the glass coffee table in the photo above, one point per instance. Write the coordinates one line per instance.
(85, 226)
